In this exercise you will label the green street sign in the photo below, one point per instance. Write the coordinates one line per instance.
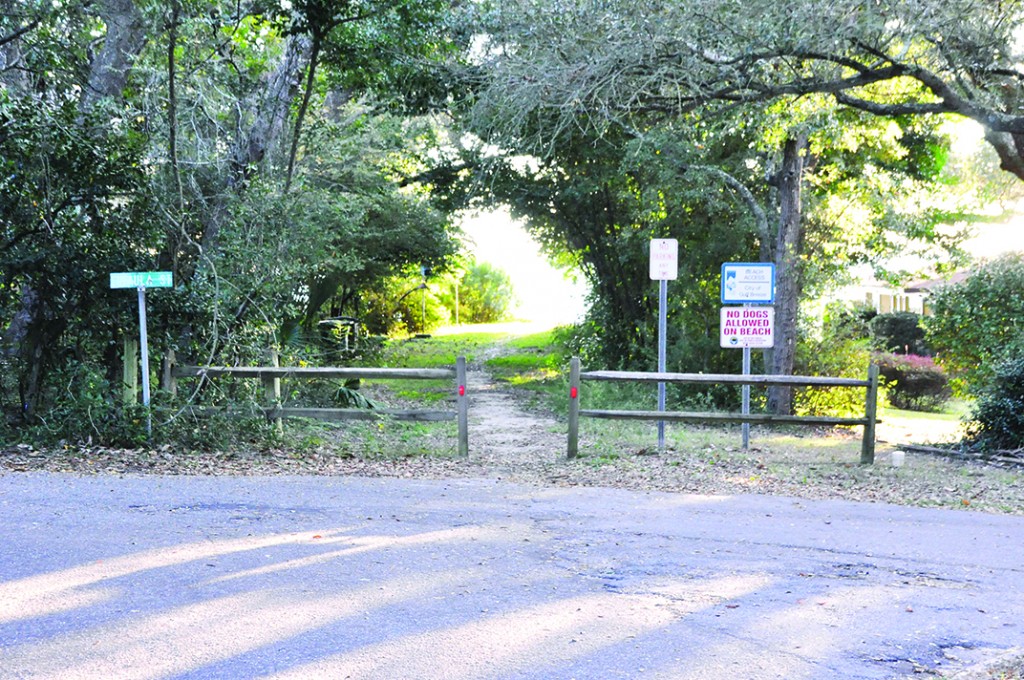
(141, 279)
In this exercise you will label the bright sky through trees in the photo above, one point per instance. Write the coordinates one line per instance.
(544, 293)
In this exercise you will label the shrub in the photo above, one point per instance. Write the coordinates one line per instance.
(899, 332)
(848, 320)
(834, 357)
(978, 322)
(997, 421)
(487, 294)
(914, 382)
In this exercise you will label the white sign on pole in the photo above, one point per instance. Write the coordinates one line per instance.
(745, 283)
(664, 259)
(748, 327)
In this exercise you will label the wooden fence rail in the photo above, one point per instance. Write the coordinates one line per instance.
(576, 377)
(271, 377)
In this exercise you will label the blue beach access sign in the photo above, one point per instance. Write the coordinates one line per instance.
(748, 283)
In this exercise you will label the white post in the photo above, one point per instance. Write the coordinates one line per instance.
(746, 398)
(144, 344)
(662, 342)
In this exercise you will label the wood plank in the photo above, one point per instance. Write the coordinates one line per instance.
(727, 379)
(343, 414)
(867, 453)
(692, 417)
(328, 414)
(462, 405)
(368, 373)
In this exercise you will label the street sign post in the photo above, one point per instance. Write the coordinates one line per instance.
(140, 281)
(664, 268)
(747, 284)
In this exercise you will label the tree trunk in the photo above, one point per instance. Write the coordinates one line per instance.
(271, 114)
(788, 271)
(125, 37)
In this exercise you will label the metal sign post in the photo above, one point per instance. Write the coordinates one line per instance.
(745, 399)
(664, 267)
(140, 281)
(747, 284)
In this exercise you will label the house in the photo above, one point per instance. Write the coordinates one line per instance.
(887, 299)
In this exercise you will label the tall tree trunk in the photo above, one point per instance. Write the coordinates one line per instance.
(125, 37)
(788, 271)
(254, 144)
(314, 58)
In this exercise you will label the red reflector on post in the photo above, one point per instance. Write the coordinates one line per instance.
(573, 393)
(462, 390)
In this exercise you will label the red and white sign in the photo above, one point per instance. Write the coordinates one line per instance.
(664, 259)
(748, 327)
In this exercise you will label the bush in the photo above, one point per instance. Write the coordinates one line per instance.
(978, 323)
(487, 294)
(834, 357)
(914, 382)
(997, 421)
(899, 332)
(848, 320)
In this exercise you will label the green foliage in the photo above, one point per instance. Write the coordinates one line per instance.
(978, 322)
(899, 332)
(140, 175)
(834, 356)
(83, 409)
(913, 382)
(73, 208)
(848, 321)
(485, 294)
(997, 420)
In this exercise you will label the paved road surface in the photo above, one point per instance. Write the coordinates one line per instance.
(149, 577)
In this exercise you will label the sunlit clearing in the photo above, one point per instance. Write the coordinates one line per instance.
(550, 633)
(193, 636)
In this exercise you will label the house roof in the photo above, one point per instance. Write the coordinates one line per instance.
(928, 285)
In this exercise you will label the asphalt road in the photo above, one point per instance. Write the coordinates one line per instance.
(157, 577)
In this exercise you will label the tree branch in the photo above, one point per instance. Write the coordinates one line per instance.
(30, 26)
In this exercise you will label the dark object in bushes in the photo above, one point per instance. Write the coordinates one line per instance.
(898, 332)
(998, 416)
(914, 382)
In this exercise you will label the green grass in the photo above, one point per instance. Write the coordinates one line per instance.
(438, 351)
(954, 411)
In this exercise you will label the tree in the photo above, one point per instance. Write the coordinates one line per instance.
(485, 294)
(979, 322)
(622, 59)
(584, 72)
(206, 138)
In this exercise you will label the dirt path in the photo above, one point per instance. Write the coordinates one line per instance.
(504, 436)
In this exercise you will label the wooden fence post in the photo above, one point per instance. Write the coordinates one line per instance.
(462, 406)
(130, 371)
(272, 388)
(574, 407)
(867, 452)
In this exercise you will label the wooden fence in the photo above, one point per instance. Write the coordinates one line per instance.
(271, 377)
(867, 455)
